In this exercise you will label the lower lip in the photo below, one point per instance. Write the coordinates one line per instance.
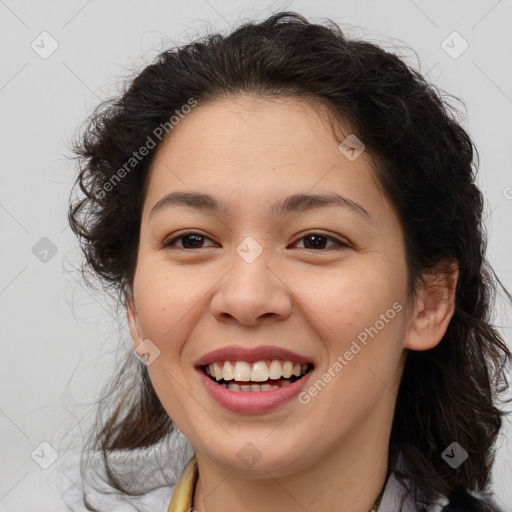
(252, 402)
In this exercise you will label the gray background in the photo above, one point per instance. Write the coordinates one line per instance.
(58, 339)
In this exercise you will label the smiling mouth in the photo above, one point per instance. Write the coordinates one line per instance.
(245, 377)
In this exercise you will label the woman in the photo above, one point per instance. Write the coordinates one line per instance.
(291, 221)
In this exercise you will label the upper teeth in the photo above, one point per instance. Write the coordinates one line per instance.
(259, 371)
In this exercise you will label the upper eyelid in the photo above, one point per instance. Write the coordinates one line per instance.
(178, 236)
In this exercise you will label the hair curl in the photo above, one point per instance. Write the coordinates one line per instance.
(427, 167)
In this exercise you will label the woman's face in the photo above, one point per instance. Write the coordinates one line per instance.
(322, 285)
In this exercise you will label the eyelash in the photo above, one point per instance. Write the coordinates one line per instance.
(168, 243)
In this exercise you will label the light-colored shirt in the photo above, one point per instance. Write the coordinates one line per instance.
(59, 488)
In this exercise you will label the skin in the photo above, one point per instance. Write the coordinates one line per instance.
(329, 454)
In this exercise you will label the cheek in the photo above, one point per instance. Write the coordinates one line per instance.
(167, 306)
(362, 327)
(359, 315)
(345, 303)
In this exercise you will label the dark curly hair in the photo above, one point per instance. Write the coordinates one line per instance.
(426, 166)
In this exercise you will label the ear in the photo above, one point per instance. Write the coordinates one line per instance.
(434, 306)
(131, 315)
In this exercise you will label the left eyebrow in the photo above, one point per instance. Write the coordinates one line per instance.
(293, 203)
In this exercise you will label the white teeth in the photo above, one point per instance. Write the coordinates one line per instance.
(287, 369)
(228, 372)
(259, 372)
(275, 370)
(253, 388)
(242, 371)
(217, 371)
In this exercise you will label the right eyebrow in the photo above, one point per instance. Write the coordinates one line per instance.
(292, 203)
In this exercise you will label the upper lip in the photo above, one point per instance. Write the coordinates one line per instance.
(251, 355)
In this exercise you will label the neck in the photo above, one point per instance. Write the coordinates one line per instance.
(349, 476)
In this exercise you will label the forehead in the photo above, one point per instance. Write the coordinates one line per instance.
(262, 124)
(259, 149)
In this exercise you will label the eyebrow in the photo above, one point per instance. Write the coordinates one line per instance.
(294, 203)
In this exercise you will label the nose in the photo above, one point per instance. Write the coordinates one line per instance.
(251, 293)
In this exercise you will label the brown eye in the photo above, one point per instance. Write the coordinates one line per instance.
(318, 241)
(193, 240)
(189, 240)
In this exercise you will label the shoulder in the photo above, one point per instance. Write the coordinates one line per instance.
(465, 501)
(397, 497)
(60, 488)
